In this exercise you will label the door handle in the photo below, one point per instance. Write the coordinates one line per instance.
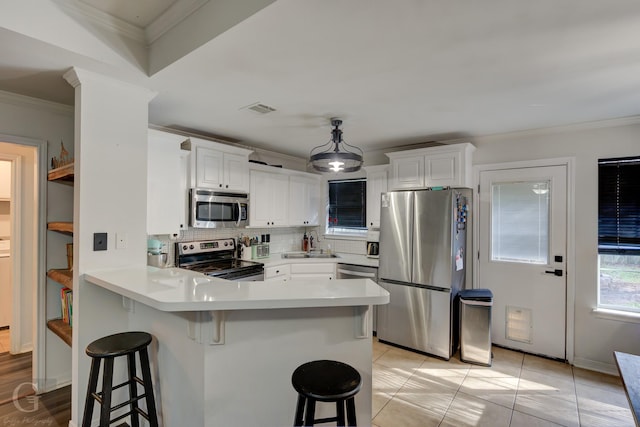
(554, 272)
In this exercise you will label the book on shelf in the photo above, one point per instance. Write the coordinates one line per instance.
(66, 299)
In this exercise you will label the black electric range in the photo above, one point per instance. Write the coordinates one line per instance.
(216, 258)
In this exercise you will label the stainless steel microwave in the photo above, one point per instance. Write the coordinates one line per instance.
(215, 209)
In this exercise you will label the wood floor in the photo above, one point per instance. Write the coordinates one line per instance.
(49, 409)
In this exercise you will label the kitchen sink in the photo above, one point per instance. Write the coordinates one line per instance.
(308, 255)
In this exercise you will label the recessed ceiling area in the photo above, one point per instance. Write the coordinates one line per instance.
(397, 73)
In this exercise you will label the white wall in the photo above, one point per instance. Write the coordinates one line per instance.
(33, 119)
(595, 338)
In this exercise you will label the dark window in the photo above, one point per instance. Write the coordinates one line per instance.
(619, 206)
(347, 204)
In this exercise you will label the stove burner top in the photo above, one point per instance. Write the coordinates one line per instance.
(215, 258)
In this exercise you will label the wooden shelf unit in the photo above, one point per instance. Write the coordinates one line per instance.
(64, 174)
(61, 329)
(62, 276)
(61, 227)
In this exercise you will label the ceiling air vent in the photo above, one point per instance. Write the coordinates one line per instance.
(259, 108)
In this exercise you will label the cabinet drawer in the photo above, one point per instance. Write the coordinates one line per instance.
(277, 271)
(313, 268)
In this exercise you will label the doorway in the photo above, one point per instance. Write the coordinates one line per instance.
(27, 251)
(522, 255)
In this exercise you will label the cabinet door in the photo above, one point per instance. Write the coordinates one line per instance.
(166, 196)
(269, 199)
(236, 172)
(407, 173)
(209, 168)
(5, 180)
(376, 185)
(304, 201)
(442, 170)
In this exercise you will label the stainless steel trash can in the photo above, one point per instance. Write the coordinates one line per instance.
(475, 326)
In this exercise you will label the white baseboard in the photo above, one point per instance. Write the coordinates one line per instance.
(592, 365)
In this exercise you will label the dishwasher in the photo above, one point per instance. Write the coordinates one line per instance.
(352, 271)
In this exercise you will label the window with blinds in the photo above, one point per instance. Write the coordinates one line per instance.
(347, 204)
(619, 206)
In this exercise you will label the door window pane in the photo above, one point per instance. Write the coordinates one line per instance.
(520, 222)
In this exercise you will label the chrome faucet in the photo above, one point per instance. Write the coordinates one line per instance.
(311, 244)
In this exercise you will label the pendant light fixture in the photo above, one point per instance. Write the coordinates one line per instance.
(336, 155)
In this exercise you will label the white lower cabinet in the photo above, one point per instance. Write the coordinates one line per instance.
(277, 272)
(313, 271)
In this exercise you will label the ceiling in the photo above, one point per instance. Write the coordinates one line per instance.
(397, 73)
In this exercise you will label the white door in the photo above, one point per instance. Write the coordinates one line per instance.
(522, 241)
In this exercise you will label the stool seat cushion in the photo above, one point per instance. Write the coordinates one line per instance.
(326, 380)
(118, 344)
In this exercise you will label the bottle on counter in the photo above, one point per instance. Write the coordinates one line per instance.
(305, 242)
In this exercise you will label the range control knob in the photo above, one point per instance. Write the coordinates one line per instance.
(184, 247)
(191, 246)
(226, 243)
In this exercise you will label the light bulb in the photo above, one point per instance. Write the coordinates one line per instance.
(336, 165)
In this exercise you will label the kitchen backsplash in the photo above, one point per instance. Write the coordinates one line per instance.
(281, 239)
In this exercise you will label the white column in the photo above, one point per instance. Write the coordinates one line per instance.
(110, 188)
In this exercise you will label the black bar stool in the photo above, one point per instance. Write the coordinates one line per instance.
(108, 348)
(325, 381)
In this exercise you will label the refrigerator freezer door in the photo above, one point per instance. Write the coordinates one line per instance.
(416, 318)
(396, 235)
(433, 255)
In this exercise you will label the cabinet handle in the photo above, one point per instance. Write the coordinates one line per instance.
(220, 185)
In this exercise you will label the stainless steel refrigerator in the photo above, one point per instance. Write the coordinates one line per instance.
(423, 263)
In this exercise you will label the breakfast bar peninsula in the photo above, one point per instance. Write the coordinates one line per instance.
(224, 351)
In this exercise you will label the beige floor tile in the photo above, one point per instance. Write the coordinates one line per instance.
(401, 359)
(398, 413)
(597, 379)
(600, 407)
(466, 410)
(388, 380)
(535, 383)
(518, 419)
(380, 399)
(547, 366)
(379, 349)
(428, 392)
(501, 391)
(558, 408)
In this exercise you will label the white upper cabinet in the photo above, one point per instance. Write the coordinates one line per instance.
(376, 185)
(166, 183)
(269, 199)
(304, 200)
(218, 166)
(442, 166)
(5, 180)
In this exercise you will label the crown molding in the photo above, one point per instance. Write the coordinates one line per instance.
(104, 20)
(37, 103)
(575, 127)
(171, 17)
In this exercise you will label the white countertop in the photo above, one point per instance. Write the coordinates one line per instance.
(176, 289)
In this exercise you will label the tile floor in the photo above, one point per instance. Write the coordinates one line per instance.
(518, 390)
(5, 344)
(410, 389)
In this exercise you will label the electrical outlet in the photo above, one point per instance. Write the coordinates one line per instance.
(99, 241)
(121, 240)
